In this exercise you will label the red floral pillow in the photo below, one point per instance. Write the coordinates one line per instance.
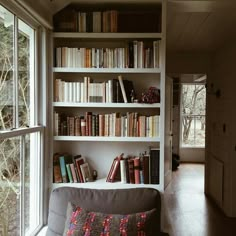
(85, 223)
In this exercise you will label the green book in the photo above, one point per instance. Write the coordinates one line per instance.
(69, 173)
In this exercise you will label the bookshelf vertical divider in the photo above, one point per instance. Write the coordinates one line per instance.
(69, 77)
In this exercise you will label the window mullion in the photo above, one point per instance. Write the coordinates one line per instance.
(15, 76)
(22, 185)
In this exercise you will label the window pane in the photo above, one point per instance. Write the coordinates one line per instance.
(194, 99)
(31, 183)
(193, 131)
(193, 115)
(6, 68)
(26, 72)
(10, 186)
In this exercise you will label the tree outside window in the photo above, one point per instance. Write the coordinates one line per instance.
(193, 110)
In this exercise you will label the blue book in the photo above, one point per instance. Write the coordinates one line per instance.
(63, 169)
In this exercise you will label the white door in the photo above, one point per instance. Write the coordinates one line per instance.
(168, 131)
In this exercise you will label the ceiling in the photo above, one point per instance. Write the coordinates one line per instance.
(192, 25)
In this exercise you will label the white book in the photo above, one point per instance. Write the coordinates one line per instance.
(123, 58)
(110, 91)
(66, 92)
(123, 171)
(107, 93)
(70, 92)
(82, 92)
(85, 89)
(78, 84)
(79, 60)
(74, 91)
(93, 58)
(122, 88)
(97, 58)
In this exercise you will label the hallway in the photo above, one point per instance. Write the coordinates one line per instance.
(187, 211)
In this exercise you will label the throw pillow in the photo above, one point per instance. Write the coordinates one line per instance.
(81, 222)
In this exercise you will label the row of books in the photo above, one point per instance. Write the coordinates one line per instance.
(136, 55)
(70, 169)
(114, 90)
(114, 124)
(80, 19)
(136, 170)
(96, 21)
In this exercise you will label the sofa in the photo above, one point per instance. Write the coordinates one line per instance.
(103, 201)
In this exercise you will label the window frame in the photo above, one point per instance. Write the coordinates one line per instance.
(40, 86)
(181, 117)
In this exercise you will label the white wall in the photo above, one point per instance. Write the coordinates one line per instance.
(192, 155)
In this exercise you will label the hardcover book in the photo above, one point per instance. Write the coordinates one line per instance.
(155, 165)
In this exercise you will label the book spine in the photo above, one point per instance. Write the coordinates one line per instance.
(131, 170)
(123, 171)
(137, 170)
(63, 169)
(155, 165)
(57, 174)
(69, 173)
(72, 168)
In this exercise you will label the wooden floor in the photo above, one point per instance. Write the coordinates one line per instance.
(187, 211)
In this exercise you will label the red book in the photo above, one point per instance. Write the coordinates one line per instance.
(131, 170)
(136, 170)
(79, 161)
(114, 173)
(77, 126)
(83, 126)
(110, 171)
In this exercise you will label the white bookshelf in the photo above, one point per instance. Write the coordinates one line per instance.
(107, 105)
(110, 36)
(106, 139)
(100, 151)
(102, 184)
(107, 70)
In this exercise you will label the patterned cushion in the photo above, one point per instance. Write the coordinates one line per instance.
(80, 222)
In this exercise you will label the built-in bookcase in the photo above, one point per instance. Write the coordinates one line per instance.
(101, 51)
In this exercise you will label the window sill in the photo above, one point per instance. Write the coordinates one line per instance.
(43, 231)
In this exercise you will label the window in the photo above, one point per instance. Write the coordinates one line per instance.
(20, 135)
(193, 110)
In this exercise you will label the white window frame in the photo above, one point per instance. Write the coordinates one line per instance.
(39, 107)
(181, 118)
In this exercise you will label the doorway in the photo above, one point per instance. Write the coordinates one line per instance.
(189, 112)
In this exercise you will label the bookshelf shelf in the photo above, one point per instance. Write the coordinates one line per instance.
(106, 139)
(102, 184)
(107, 70)
(110, 36)
(107, 105)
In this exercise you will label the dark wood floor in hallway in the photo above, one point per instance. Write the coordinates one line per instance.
(187, 211)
